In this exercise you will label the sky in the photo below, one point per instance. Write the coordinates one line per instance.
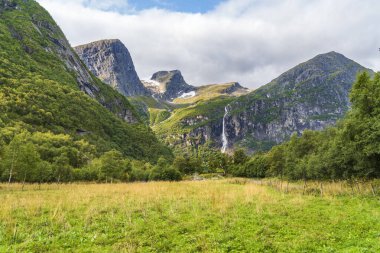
(218, 41)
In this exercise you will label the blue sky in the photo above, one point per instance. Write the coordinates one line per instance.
(192, 6)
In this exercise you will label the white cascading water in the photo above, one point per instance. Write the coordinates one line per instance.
(224, 136)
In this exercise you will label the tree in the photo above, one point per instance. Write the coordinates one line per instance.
(257, 166)
(62, 169)
(112, 165)
(276, 160)
(164, 172)
(21, 161)
(239, 157)
(187, 165)
(217, 161)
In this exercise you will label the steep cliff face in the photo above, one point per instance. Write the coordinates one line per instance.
(312, 95)
(111, 62)
(168, 85)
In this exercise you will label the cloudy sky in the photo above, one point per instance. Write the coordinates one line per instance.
(215, 41)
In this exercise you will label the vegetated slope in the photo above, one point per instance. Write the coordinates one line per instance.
(198, 120)
(45, 87)
(312, 95)
(112, 63)
(152, 110)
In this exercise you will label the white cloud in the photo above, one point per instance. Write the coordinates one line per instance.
(250, 41)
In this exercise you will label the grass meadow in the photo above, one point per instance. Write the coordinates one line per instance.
(230, 215)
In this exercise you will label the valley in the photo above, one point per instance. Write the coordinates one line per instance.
(94, 158)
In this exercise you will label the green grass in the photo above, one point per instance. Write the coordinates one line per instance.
(158, 115)
(207, 216)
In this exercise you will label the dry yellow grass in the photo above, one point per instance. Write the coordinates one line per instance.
(209, 216)
(325, 188)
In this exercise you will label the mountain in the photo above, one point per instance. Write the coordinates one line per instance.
(312, 95)
(168, 85)
(111, 62)
(44, 87)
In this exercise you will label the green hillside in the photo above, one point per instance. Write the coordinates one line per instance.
(188, 117)
(43, 88)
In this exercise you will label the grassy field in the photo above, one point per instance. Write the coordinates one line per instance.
(230, 215)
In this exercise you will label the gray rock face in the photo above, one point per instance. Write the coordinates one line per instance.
(312, 95)
(168, 85)
(111, 62)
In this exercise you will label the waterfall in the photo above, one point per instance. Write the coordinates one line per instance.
(224, 136)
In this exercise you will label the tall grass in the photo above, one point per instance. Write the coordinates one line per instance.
(325, 188)
(233, 215)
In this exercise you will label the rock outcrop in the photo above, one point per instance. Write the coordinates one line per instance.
(168, 85)
(111, 62)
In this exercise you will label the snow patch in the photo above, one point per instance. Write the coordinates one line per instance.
(151, 82)
(188, 95)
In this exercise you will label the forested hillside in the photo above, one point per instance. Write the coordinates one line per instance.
(54, 114)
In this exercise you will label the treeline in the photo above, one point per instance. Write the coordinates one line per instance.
(46, 157)
(351, 150)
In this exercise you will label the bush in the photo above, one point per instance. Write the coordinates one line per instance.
(166, 174)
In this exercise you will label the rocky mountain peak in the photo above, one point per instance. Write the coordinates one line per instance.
(111, 62)
(329, 68)
(164, 76)
(330, 61)
(168, 85)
